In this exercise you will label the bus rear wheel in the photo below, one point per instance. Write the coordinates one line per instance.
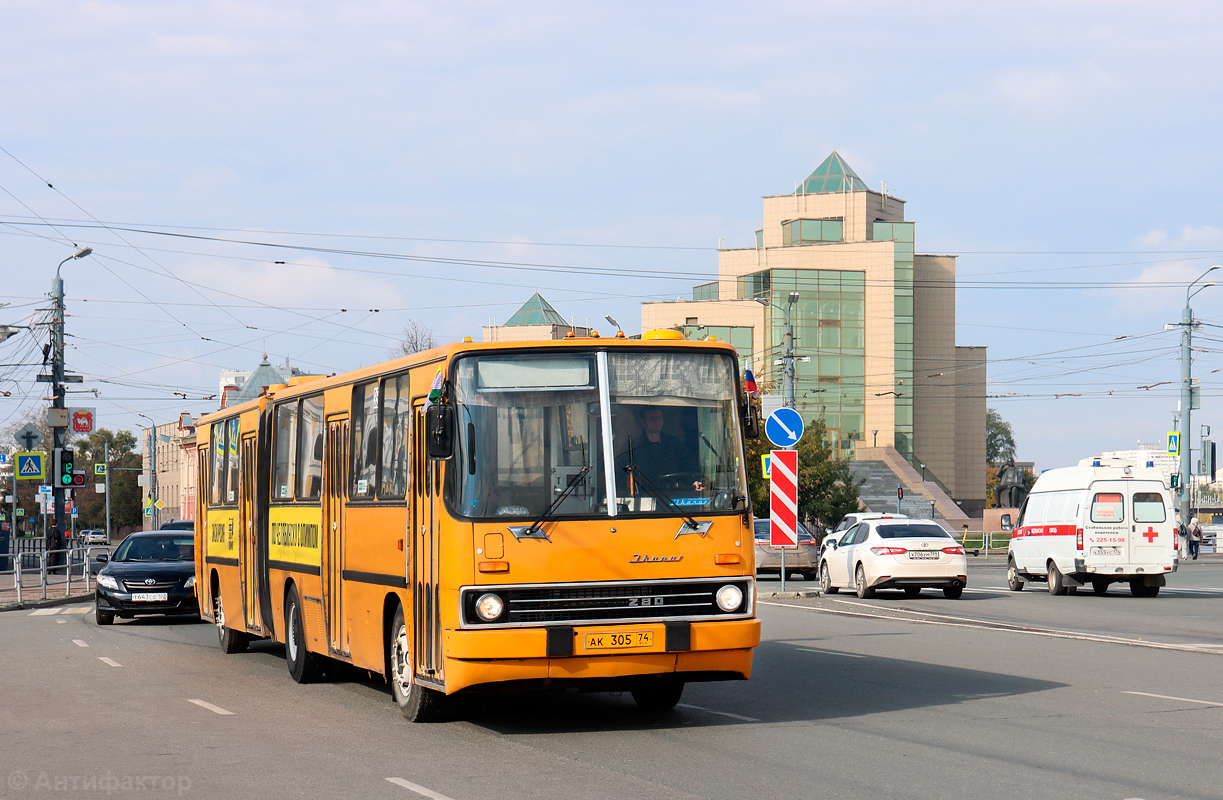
(304, 666)
(661, 695)
(417, 703)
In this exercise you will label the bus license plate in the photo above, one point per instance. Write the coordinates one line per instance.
(619, 640)
(150, 597)
(924, 554)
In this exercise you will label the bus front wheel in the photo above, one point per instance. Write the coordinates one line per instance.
(659, 695)
(417, 703)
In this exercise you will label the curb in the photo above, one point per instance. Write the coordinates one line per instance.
(55, 601)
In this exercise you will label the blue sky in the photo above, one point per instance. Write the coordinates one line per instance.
(1045, 143)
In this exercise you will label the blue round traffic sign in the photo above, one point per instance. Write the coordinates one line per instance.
(784, 427)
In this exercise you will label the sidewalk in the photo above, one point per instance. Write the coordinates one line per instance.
(31, 592)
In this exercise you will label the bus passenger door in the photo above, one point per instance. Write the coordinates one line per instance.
(246, 524)
(426, 616)
(335, 483)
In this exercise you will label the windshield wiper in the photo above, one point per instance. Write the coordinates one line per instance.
(535, 529)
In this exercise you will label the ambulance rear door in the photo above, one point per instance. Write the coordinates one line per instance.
(1152, 531)
(1107, 526)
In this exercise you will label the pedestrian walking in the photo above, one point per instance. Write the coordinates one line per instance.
(1182, 539)
(1194, 535)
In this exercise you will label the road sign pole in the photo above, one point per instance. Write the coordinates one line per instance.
(106, 459)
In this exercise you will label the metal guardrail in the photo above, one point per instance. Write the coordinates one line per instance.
(53, 568)
(982, 542)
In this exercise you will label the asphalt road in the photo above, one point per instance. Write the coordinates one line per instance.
(996, 695)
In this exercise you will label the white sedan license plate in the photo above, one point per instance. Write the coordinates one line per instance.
(926, 554)
(150, 597)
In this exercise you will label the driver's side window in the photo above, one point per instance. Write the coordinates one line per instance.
(854, 536)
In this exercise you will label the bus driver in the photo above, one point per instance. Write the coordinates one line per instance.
(661, 458)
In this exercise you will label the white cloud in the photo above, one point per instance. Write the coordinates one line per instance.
(1203, 236)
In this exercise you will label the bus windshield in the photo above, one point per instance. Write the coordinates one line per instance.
(534, 430)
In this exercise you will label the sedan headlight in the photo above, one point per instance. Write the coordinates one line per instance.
(489, 607)
(108, 582)
(190, 583)
(729, 597)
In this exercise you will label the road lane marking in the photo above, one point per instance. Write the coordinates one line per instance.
(998, 627)
(211, 707)
(830, 652)
(81, 610)
(739, 717)
(44, 612)
(1178, 699)
(61, 622)
(106, 660)
(420, 790)
(80, 643)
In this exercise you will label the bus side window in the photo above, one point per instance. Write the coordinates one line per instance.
(310, 449)
(283, 445)
(364, 440)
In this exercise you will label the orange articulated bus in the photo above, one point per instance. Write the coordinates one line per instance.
(444, 520)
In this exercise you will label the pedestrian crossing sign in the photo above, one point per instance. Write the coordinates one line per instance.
(31, 467)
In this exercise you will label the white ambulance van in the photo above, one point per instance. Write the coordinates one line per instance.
(1104, 521)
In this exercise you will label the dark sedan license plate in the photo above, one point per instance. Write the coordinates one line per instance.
(924, 554)
(150, 597)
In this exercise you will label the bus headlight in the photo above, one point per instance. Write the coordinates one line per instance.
(729, 597)
(489, 607)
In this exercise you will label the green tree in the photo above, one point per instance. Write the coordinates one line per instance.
(999, 438)
(827, 489)
(125, 465)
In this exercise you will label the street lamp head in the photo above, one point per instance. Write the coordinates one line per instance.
(793, 297)
(84, 251)
(612, 321)
(762, 301)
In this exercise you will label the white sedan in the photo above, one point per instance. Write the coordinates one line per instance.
(908, 554)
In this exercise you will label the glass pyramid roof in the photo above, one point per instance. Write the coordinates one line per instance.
(834, 175)
(536, 311)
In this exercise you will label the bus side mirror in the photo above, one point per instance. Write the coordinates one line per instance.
(751, 422)
(439, 431)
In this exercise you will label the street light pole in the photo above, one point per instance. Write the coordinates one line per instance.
(153, 471)
(58, 433)
(787, 375)
(1187, 394)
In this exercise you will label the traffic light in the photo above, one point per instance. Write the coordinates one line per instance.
(63, 467)
(1208, 458)
(1176, 480)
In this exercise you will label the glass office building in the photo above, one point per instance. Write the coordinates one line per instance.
(874, 325)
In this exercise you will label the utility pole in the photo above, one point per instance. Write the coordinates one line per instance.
(152, 487)
(787, 356)
(1188, 395)
(58, 378)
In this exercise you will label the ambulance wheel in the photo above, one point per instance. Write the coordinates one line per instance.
(864, 591)
(1056, 586)
(417, 703)
(1013, 580)
(1139, 589)
(1099, 587)
(826, 581)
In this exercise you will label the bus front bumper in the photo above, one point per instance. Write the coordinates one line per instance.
(577, 655)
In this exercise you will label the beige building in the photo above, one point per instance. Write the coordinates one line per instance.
(874, 326)
(175, 473)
